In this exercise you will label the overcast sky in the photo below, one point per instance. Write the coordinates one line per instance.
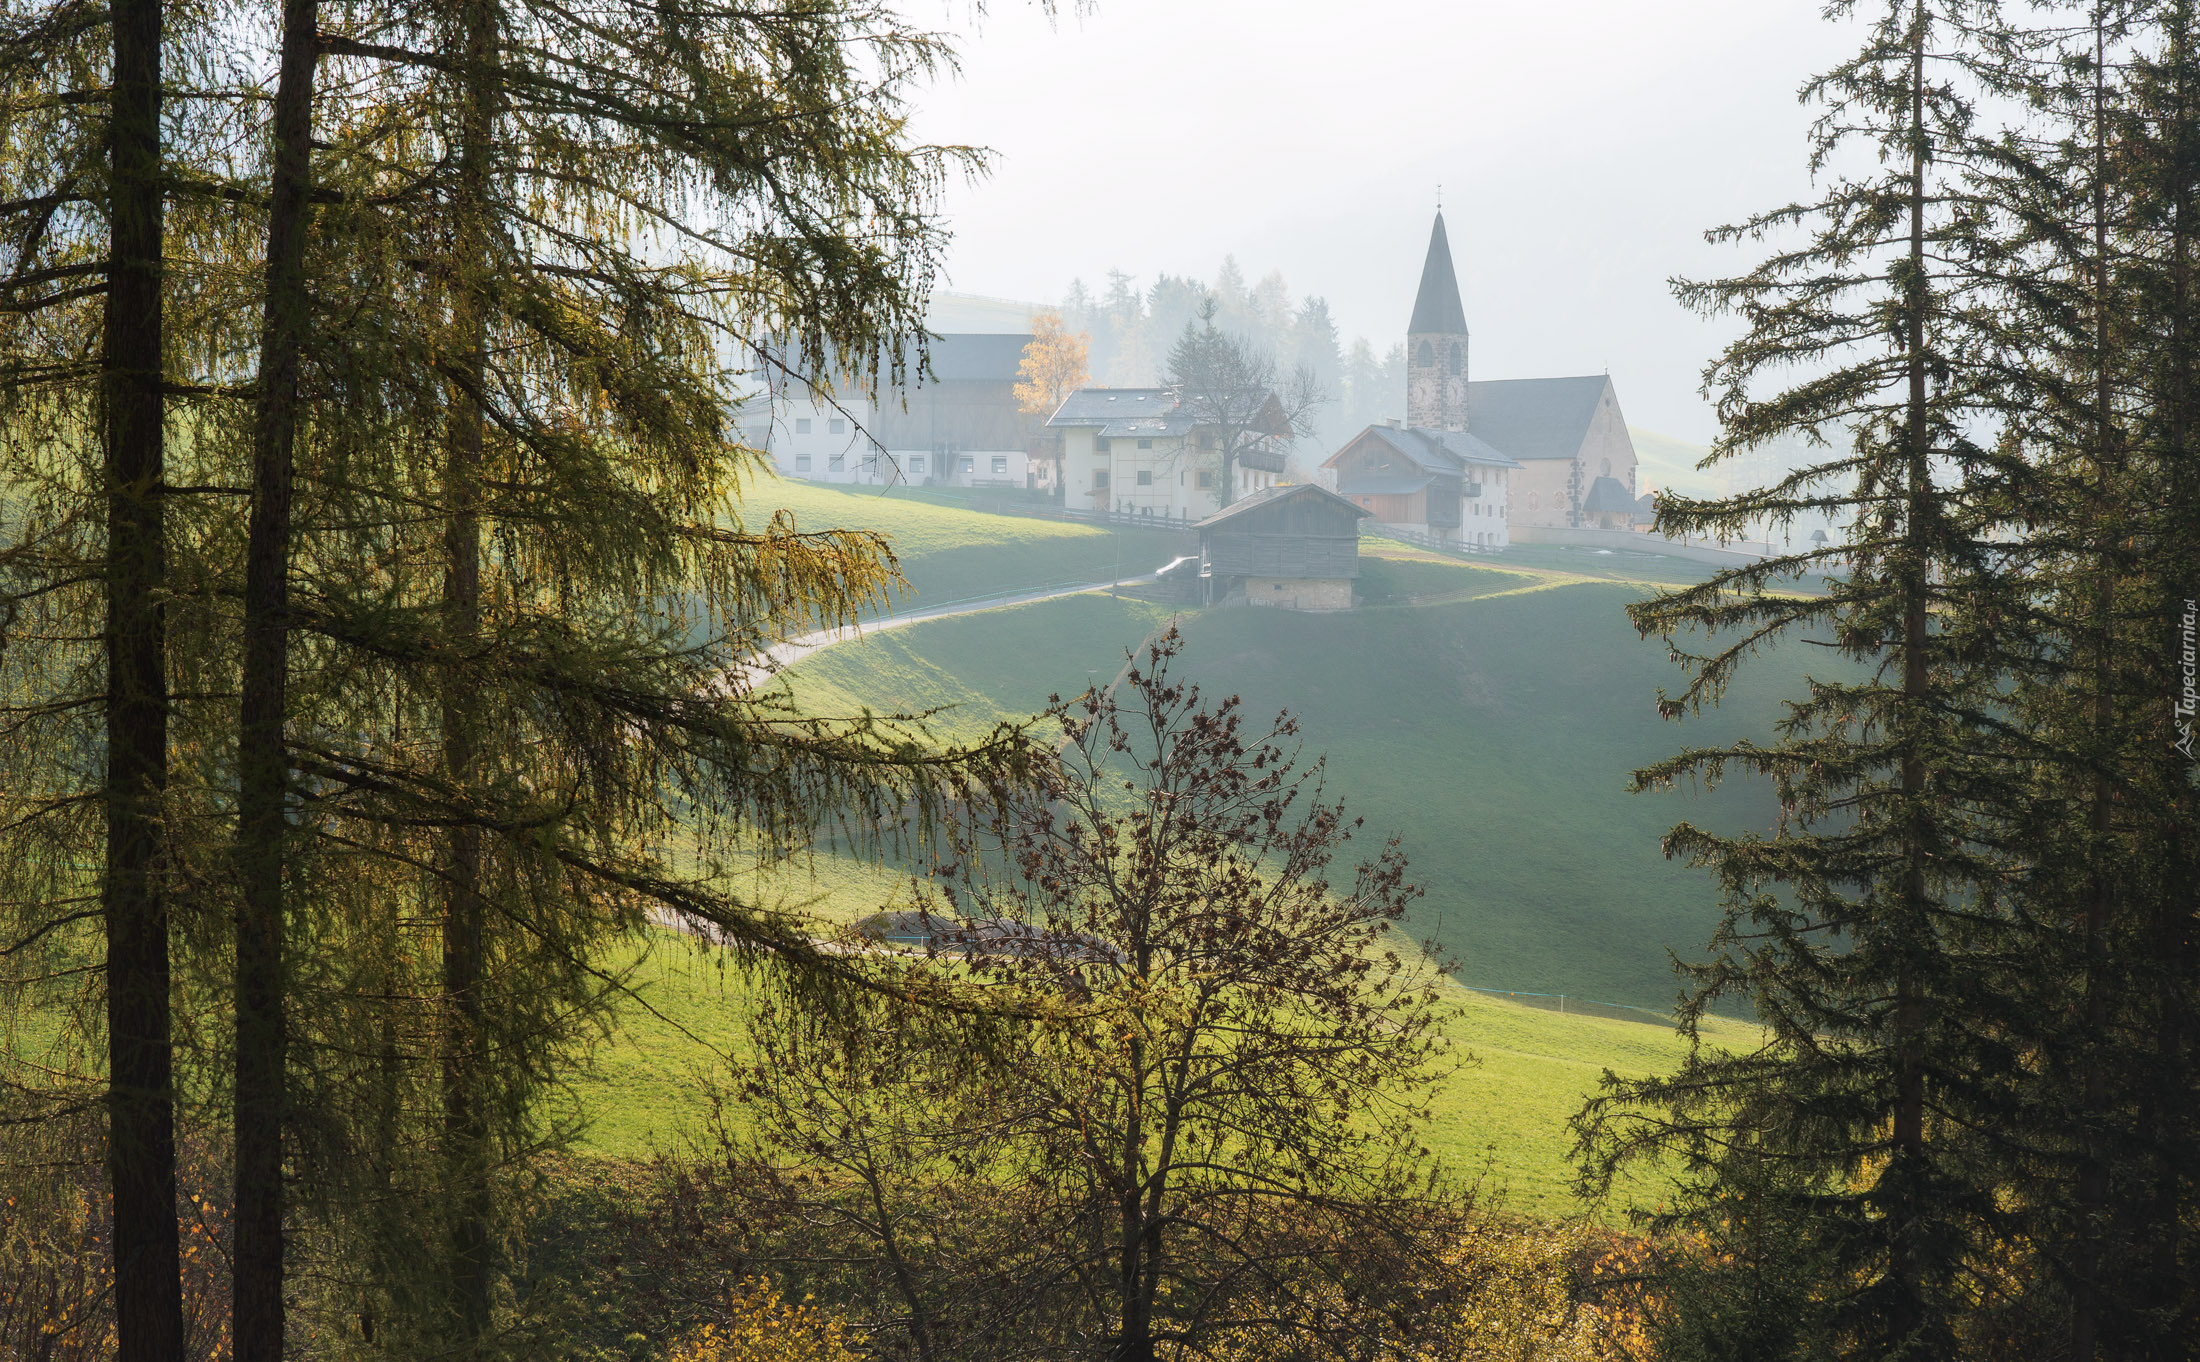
(1582, 145)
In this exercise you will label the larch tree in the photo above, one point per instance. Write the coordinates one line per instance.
(113, 508)
(1053, 366)
(524, 601)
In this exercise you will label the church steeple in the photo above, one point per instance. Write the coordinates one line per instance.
(1436, 343)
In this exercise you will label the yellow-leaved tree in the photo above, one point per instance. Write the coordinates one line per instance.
(1054, 366)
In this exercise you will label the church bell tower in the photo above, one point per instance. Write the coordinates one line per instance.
(1436, 344)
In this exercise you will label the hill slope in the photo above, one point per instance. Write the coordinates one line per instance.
(1494, 731)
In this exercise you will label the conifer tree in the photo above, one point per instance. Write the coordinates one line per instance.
(1864, 929)
(108, 377)
(524, 598)
(2096, 316)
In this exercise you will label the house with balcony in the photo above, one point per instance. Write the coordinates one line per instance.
(1444, 485)
(1143, 452)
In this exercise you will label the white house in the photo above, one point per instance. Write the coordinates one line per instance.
(960, 426)
(1137, 451)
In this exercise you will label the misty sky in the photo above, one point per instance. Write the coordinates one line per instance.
(1582, 145)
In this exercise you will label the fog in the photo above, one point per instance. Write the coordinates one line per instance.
(1582, 146)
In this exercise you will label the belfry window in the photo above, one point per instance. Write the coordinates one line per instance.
(1425, 357)
(1458, 359)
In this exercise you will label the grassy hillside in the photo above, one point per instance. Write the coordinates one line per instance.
(1502, 1116)
(1494, 730)
(951, 554)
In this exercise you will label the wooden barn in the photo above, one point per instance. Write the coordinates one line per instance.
(1297, 547)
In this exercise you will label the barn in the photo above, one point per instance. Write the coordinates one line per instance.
(1297, 547)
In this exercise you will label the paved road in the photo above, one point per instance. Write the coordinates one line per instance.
(784, 655)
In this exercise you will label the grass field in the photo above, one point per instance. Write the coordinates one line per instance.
(952, 554)
(1493, 730)
(1489, 713)
(1503, 1117)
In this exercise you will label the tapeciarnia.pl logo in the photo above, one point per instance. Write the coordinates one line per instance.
(2188, 672)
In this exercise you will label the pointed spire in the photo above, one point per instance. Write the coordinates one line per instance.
(1437, 310)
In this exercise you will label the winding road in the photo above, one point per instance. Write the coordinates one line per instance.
(781, 656)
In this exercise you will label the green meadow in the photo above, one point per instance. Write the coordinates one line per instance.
(1500, 1118)
(1487, 713)
(949, 554)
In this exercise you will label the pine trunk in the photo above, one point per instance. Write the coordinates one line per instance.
(141, 1145)
(2094, 1050)
(257, 1320)
(1909, 1014)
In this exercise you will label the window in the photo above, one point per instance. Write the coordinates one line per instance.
(1145, 477)
(1207, 478)
(1100, 444)
(965, 464)
(837, 463)
(1607, 468)
(836, 426)
(1458, 359)
(801, 463)
(1145, 444)
(1424, 356)
(1000, 464)
(802, 425)
(1535, 501)
(1099, 478)
(916, 465)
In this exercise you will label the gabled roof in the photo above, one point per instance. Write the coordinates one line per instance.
(1449, 452)
(1436, 308)
(955, 357)
(1269, 496)
(1536, 418)
(1122, 413)
(1149, 412)
(1098, 406)
(1608, 494)
(982, 357)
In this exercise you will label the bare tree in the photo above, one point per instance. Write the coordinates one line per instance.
(1242, 408)
(1193, 1114)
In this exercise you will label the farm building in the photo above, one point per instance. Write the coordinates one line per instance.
(1297, 547)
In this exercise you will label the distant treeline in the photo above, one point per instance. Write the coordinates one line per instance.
(1132, 329)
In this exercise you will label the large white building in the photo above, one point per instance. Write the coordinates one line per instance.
(959, 426)
(1138, 451)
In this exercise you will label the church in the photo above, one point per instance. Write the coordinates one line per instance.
(1473, 461)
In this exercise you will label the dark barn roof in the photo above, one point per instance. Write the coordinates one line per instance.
(1436, 308)
(1298, 530)
(974, 357)
(1535, 418)
(1268, 501)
